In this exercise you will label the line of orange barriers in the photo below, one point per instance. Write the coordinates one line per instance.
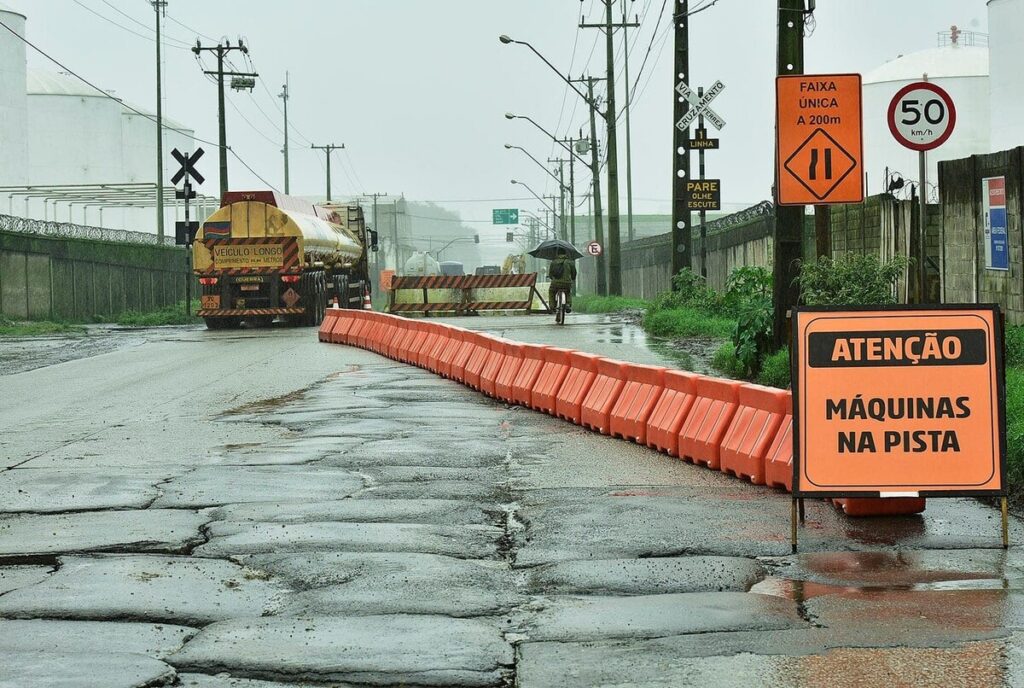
(737, 428)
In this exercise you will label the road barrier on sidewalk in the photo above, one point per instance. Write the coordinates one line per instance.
(471, 292)
(643, 389)
(552, 375)
(742, 429)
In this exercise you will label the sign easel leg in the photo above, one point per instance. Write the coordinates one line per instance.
(803, 513)
(1004, 507)
(792, 523)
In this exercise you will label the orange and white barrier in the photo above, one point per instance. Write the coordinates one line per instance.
(742, 429)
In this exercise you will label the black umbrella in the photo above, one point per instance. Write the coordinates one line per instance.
(549, 250)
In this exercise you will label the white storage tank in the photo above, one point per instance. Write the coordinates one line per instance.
(75, 132)
(963, 71)
(13, 102)
(1006, 38)
(138, 136)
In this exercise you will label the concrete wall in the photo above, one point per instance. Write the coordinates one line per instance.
(965, 277)
(80, 280)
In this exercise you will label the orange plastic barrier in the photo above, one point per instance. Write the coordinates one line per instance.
(597, 407)
(358, 335)
(641, 393)
(457, 336)
(432, 359)
(700, 438)
(340, 327)
(529, 371)
(404, 342)
(492, 367)
(509, 370)
(778, 465)
(462, 355)
(382, 335)
(752, 431)
(578, 381)
(670, 413)
(552, 375)
(398, 329)
(477, 360)
(330, 319)
(895, 506)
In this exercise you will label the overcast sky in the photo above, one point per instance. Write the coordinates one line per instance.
(416, 90)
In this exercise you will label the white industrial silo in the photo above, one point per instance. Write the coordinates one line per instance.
(74, 132)
(13, 102)
(1006, 38)
(961, 67)
(138, 135)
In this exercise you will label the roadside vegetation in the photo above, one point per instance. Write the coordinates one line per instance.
(36, 328)
(168, 315)
(591, 303)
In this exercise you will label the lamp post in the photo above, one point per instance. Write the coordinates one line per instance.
(551, 174)
(539, 198)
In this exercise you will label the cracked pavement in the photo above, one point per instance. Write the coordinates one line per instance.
(255, 509)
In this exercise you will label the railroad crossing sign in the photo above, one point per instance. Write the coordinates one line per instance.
(820, 139)
(703, 194)
(505, 216)
(188, 167)
(701, 142)
(922, 116)
(594, 249)
(700, 106)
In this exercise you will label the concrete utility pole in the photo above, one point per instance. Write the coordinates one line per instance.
(789, 220)
(682, 248)
(158, 6)
(564, 231)
(328, 149)
(629, 139)
(239, 81)
(285, 96)
(572, 191)
(611, 117)
(595, 173)
(703, 212)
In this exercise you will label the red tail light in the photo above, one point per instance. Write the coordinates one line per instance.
(207, 281)
(290, 279)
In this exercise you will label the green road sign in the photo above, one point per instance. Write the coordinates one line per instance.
(505, 216)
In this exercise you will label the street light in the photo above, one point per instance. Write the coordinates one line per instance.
(551, 174)
(507, 40)
(542, 201)
(560, 142)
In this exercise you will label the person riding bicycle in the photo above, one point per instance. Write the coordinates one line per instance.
(562, 275)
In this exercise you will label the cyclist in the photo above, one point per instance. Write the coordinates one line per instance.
(562, 275)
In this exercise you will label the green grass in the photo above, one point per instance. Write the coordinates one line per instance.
(168, 315)
(687, 322)
(11, 328)
(725, 361)
(591, 303)
(1015, 431)
(775, 370)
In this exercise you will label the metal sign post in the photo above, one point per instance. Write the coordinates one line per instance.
(922, 117)
(701, 102)
(187, 193)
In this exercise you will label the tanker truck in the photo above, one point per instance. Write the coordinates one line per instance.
(263, 256)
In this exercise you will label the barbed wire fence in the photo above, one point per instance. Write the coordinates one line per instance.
(762, 209)
(66, 230)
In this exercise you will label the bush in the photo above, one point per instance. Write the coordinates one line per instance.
(775, 370)
(1015, 426)
(850, 280)
(591, 303)
(1014, 346)
(687, 322)
(725, 361)
(168, 315)
(691, 291)
(747, 283)
(753, 334)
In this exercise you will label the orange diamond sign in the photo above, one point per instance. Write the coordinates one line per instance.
(820, 139)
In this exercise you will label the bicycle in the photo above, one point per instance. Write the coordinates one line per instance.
(560, 306)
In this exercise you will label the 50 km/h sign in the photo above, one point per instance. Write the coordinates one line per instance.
(902, 402)
(922, 116)
(820, 139)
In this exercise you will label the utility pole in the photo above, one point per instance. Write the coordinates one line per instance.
(611, 117)
(158, 6)
(571, 142)
(554, 220)
(563, 227)
(595, 173)
(789, 220)
(328, 149)
(682, 245)
(285, 96)
(629, 139)
(239, 81)
(703, 212)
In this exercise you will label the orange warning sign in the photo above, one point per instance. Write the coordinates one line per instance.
(820, 150)
(903, 402)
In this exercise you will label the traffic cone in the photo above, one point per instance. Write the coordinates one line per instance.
(367, 304)
(336, 305)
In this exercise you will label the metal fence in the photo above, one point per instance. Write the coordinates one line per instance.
(65, 230)
(762, 209)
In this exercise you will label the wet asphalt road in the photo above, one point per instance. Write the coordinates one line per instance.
(256, 509)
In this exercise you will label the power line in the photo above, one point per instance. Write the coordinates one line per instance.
(151, 39)
(126, 106)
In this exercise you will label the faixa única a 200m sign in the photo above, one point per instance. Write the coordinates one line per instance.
(898, 402)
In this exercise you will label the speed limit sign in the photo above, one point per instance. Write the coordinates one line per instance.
(922, 116)
(594, 248)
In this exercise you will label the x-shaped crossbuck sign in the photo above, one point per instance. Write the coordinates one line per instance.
(700, 106)
(188, 166)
